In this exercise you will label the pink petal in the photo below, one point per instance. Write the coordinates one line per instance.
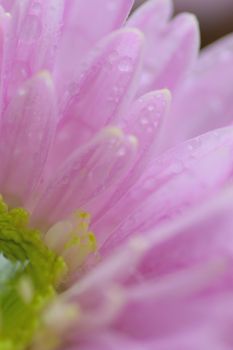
(32, 34)
(86, 173)
(178, 52)
(103, 92)
(171, 48)
(173, 183)
(143, 120)
(26, 134)
(202, 235)
(80, 34)
(205, 102)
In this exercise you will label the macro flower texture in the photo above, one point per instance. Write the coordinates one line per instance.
(116, 164)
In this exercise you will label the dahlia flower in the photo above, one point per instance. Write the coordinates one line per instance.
(116, 155)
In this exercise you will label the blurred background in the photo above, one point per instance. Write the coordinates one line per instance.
(215, 16)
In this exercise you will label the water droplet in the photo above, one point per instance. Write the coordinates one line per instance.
(125, 64)
(151, 108)
(177, 167)
(194, 144)
(155, 123)
(144, 121)
(121, 152)
(22, 92)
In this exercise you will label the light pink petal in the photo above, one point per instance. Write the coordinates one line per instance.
(202, 235)
(173, 183)
(205, 102)
(177, 53)
(104, 91)
(86, 23)
(150, 310)
(143, 120)
(171, 48)
(152, 15)
(26, 131)
(147, 313)
(33, 34)
(86, 173)
(179, 325)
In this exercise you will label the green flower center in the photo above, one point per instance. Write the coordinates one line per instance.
(29, 275)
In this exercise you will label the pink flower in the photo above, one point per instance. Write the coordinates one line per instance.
(104, 114)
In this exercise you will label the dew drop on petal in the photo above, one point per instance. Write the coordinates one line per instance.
(177, 167)
(144, 121)
(125, 64)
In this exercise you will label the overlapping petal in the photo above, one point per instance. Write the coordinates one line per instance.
(87, 173)
(27, 131)
(103, 92)
(104, 16)
(173, 183)
(205, 100)
(171, 47)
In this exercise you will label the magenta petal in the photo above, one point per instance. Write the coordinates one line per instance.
(104, 91)
(27, 130)
(86, 174)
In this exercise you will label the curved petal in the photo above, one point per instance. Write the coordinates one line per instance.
(27, 131)
(205, 102)
(201, 236)
(86, 173)
(32, 34)
(143, 120)
(171, 48)
(80, 34)
(174, 182)
(103, 93)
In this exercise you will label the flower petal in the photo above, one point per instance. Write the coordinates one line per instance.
(201, 236)
(205, 101)
(32, 34)
(173, 183)
(171, 49)
(103, 92)
(26, 134)
(80, 34)
(143, 120)
(86, 173)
